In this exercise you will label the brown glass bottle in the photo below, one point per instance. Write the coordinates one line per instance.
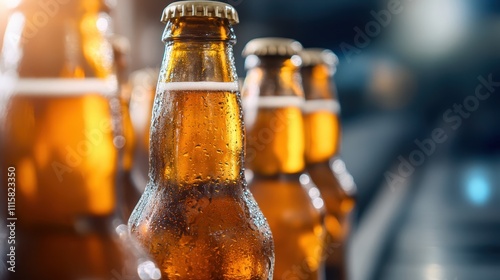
(273, 99)
(196, 217)
(60, 143)
(327, 170)
(143, 84)
(131, 193)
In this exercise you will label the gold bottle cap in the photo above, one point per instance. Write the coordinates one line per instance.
(272, 46)
(200, 9)
(315, 56)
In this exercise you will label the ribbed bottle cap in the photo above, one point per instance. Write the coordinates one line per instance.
(272, 46)
(315, 56)
(200, 9)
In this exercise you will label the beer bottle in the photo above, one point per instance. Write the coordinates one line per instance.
(143, 84)
(326, 169)
(60, 144)
(273, 98)
(197, 217)
(130, 192)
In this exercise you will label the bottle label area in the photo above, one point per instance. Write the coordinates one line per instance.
(199, 86)
(65, 87)
(279, 101)
(312, 106)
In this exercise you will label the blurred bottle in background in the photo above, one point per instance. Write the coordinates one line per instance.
(131, 193)
(196, 217)
(322, 130)
(61, 142)
(273, 98)
(143, 84)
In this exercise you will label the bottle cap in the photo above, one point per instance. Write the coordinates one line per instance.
(272, 46)
(200, 9)
(315, 56)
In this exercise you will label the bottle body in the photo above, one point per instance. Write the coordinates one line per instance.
(337, 219)
(59, 121)
(295, 223)
(326, 169)
(60, 137)
(141, 107)
(130, 192)
(322, 138)
(275, 150)
(196, 217)
(52, 154)
(205, 224)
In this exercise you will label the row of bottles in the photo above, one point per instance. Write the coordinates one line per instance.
(67, 131)
(293, 134)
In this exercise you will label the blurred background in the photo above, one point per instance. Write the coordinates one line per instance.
(419, 86)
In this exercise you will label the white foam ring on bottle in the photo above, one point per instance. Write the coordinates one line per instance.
(199, 86)
(280, 101)
(312, 106)
(42, 86)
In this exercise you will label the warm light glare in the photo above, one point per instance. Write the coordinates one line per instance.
(11, 51)
(8, 4)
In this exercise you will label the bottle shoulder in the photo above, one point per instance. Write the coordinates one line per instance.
(206, 227)
(204, 207)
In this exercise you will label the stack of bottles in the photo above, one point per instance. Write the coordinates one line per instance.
(215, 183)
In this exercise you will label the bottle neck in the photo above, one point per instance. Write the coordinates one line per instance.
(197, 128)
(318, 82)
(60, 40)
(274, 96)
(321, 114)
(198, 49)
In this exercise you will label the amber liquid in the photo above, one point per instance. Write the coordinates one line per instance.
(322, 142)
(61, 146)
(296, 226)
(277, 143)
(48, 254)
(63, 152)
(197, 218)
(336, 221)
(322, 130)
